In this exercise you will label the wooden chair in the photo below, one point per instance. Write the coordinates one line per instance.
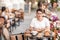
(19, 37)
(16, 37)
(13, 37)
(27, 34)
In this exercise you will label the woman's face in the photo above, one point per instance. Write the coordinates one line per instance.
(39, 14)
(54, 5)
(43, 7)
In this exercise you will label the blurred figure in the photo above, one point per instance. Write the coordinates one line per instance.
(6, 13)
(54, 10)
(3, 29)
(50, 14)
(39, 4)
(17, 17)
(3, 9)
(39, 17)
(11, 20)
(17, 14)
(43, 6)
(21, 14)
(54, 6)
(39, 24)
(1, 26)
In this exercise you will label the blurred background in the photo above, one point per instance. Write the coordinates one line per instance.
(29, 9)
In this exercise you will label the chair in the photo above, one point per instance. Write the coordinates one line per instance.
(13, 37)
(19, 37)
(16, 37)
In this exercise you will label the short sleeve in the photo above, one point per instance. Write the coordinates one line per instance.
(32, 23)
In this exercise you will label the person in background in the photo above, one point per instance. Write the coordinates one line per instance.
(3, 29)
(3, 9)
(17, 17)
(39, 4)
(21, 14)
(54, 11)
(1, 26)
(44, 7)
(11, 20)
(50, 13)
(6, 13)
(54, 5)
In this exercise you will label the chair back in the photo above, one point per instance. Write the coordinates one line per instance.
(16, 37)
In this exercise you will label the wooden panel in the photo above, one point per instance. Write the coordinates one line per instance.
(19, 37)
(13, 37)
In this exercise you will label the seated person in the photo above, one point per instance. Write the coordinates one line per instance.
(40, 24)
